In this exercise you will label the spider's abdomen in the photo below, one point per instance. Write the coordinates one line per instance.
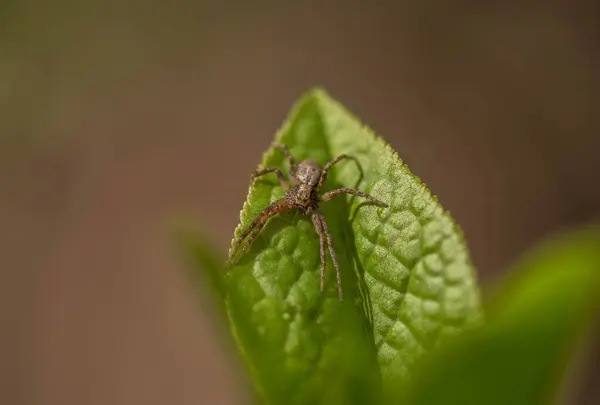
(308, 172)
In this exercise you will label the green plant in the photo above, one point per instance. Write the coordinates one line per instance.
(410, 329)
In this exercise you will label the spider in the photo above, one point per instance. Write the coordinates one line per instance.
(306, 178)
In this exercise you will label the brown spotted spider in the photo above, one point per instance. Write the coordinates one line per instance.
(303, 193)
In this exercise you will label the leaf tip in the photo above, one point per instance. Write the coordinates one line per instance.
(315, 94)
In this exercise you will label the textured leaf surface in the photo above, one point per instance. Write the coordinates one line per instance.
(520, 355)
(407, 279)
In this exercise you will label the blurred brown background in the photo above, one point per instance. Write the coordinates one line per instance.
(118, 118)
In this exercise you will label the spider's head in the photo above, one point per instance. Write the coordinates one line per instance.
(308, 172)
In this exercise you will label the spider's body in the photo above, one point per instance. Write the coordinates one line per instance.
(303, 193)
(306, 178)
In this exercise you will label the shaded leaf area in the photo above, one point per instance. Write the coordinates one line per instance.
(406, 274)
(533, 326)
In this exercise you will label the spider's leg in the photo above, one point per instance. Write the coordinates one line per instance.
(289, 157)
(334, 259)
(282, 182)
(323, 246)
(330, 194)
(258, 223)
(254, 234)
(326, 168)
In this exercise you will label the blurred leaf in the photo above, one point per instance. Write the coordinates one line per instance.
(407, 279)
(204, 263)
(533, 325)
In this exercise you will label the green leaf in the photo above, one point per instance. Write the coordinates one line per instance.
(201, 257)
(205, 267)
(406, 276)
(407, 279)
(533, 326)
